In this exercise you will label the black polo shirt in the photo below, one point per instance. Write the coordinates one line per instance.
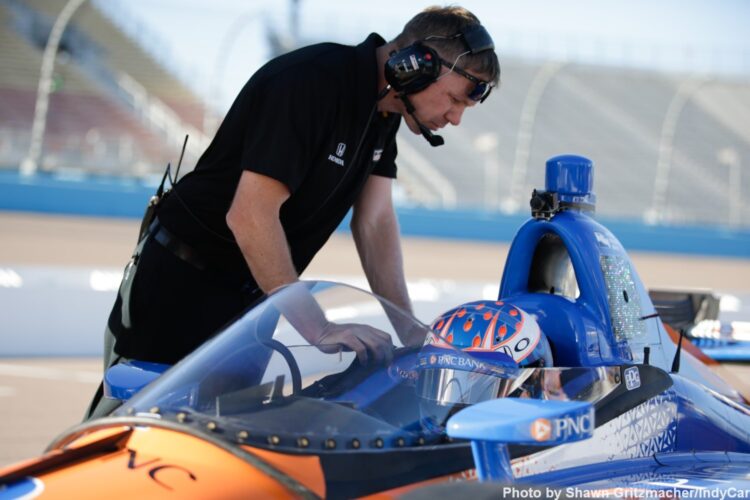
(306, 119)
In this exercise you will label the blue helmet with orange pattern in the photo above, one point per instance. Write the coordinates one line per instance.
(473, 354)
(484, 328)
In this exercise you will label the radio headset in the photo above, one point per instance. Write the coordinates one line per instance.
(417, 66)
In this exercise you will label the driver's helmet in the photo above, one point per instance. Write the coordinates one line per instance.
(494, 326)
(495, 337)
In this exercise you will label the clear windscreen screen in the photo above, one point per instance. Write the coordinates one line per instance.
(267, 381)
(565, 384)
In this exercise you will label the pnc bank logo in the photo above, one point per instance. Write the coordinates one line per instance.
(563, 429)
(541, 429)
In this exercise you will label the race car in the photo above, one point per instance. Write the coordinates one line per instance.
(690, 434)
(569, 378)
(698, 313)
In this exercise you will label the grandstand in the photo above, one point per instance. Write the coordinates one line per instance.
(617, 118)
(113, 109)
(668, 147)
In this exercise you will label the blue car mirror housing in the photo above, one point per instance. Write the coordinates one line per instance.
(524, 421)
(493, 424)
(123, 380)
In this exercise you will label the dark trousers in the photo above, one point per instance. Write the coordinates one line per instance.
(172, 308)
(175, 307)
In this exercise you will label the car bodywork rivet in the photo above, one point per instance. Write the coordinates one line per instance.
(274, 440)
(420, 441)
(378, 443)
(400, 442)
(355, 444)
(181, 417)
(154, 409)
(303, 442)
(211, 426)
(242, 435)
(330, 444)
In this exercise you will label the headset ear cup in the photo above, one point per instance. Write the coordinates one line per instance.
(412, 68)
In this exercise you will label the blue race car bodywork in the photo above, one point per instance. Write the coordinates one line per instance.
(651, 399)
(624, 406)
(671, 421)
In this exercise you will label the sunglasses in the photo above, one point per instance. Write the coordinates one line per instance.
(481, 90)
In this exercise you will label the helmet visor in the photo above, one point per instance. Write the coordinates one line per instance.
(449, 386)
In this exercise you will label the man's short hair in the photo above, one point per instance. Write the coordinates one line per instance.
(447, 21)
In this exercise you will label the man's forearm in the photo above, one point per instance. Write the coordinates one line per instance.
(253, 218)
(266, 251)
(379, 250)
(263, 244)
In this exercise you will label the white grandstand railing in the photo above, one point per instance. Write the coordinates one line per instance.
(426, 184)
(657, 211)
(159, 116)
(719, 102)
(526, 132)
(30, 164)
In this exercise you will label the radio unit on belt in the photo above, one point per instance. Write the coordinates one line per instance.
(149, 225)
(153, 203)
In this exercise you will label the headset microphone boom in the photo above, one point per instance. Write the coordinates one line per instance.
(415, 67)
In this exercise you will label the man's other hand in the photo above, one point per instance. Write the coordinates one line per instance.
(370, 344)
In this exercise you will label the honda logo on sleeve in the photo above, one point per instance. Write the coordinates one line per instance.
(338, 160)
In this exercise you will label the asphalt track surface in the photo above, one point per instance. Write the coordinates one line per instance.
(41, 397)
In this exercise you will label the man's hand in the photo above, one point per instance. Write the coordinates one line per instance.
(369, 343)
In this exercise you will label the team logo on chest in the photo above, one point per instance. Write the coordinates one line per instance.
(338, 160)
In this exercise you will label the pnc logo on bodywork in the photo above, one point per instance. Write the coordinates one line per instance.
(541, 429)
(561, 429)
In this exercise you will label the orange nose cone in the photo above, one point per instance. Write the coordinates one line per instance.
(161, 463)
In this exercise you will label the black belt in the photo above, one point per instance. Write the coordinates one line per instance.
(179, 249)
